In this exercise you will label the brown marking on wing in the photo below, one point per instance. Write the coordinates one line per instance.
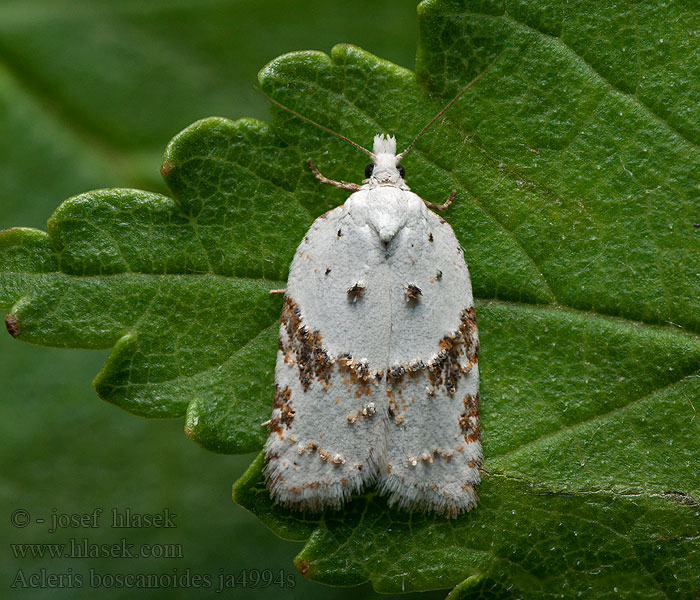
(447, 368)
(366, 412)
(469, 419)
(282, 411)
(304, 347)
(356, 291)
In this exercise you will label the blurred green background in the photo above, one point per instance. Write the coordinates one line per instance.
(90, 94)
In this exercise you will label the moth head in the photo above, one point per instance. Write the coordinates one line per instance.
(385, 167)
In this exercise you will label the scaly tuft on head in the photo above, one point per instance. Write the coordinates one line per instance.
(385, 168)
(384, 144)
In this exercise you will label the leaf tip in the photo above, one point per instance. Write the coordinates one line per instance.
(302, 565)
(191, 422)
(12, 324)
(424, 7)
(165, 169)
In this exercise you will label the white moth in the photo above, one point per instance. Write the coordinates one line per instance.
(377, 381)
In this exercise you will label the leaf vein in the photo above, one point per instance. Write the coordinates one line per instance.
(576, 56)
(600, 417)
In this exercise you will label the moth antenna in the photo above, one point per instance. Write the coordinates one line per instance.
(303, 118)
(450, 103)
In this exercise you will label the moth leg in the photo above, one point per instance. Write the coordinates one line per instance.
(343, 185)
(278, 291)
(444, 205)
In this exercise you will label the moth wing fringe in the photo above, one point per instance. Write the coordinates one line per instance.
(315, 496)
(413, 498)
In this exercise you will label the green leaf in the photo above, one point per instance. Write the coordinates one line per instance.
(179, 288)
(574, 161)
(524, 540)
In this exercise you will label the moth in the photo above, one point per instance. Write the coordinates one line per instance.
(377, 378)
